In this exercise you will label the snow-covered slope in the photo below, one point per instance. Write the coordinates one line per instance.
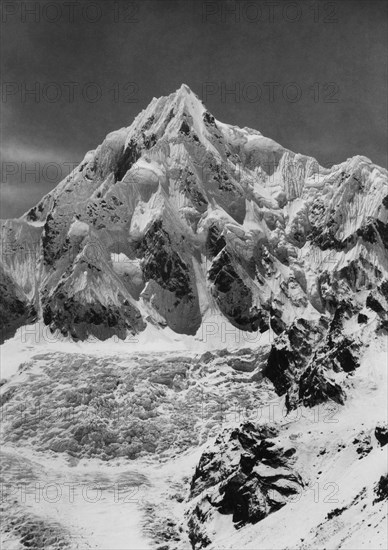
(153, 450)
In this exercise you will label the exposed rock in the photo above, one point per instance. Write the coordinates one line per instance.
(172, 291)
(127, 159)
(361, 319)
(381, 489)
(233, 297)
(290, 353)
(315, 387)
(363, 444)
(381, 434)
(215, 241)
(15, 309)
(303, 359)
(374, 304)
(247, 474)
(78, 319)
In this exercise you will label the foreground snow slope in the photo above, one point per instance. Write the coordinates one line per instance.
(131, 455)
(342, 462)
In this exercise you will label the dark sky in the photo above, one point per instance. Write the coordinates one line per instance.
(326, 62)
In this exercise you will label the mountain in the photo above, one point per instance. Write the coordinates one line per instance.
(179, 216)
(182, 221)
(186, 226)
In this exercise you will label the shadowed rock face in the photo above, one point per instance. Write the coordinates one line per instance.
(381, 489)
(130, 155)
(80, 320)
(247, 474)
(171, 287)
(303, 360)
(163, 264)
(215, 241)
(315, 387)
(233, 297)
(15, 309)
(290, 353)
(381, 434)
(212, 217)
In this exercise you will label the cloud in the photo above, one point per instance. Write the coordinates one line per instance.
(20, 152)
(15, 199)
(28, 173)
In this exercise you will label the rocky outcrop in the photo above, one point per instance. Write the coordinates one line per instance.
(247, 475)
(15, 309)
(316, 386)
(290, 354)
(89, 299)
(381, 489)
(381, 434)
(172, 291)
(303, 361)
(233, 297)
(79, 320)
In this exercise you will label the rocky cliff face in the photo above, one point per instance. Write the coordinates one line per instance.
(247, 473)
(305, 358)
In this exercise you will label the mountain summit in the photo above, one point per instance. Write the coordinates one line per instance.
(180, 217)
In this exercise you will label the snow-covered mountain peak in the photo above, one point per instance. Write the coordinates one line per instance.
(216, 220)
(187, 93)
(165, 115)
